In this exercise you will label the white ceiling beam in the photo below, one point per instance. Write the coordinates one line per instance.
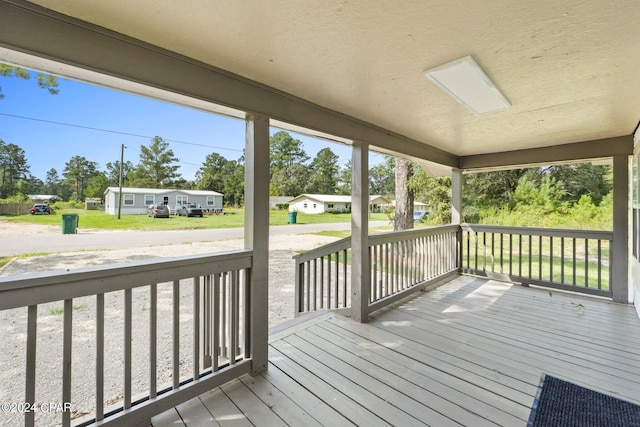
(589, 150)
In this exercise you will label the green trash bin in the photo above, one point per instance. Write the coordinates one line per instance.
(292, 217)
(70, 223)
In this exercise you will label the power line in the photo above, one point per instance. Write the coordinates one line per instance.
(115, 132)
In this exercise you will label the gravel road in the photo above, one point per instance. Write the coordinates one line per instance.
(49, 356)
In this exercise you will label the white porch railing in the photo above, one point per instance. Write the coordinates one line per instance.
(575, 260)
(171, 329)
(403, 262)
(400, 263)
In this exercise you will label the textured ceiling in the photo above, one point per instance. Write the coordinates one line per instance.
(569, 68)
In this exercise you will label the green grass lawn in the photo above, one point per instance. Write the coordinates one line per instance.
(233, 218)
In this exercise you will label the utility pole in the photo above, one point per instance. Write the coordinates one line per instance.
(120, 182)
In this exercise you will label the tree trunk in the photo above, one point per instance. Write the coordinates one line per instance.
(403, 219)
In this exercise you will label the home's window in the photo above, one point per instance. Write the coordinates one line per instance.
(330, 205)
(128, 200)
(305, 206)
(211, 201)
(314, 206)
(149, 199)
(182, 200)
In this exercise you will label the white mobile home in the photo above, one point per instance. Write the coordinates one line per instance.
(135, 201)
(319, 203)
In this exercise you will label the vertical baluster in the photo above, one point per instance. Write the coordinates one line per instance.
(99, 357)
(493, 252)
(396, 276)
(436, 258)
(153, 341)
(468, 239)
(387, 268)
(233, 318)
(224, 308)
(322, 282)
(599, 264)
(30, 377)
(373, 259)
(206, 323)
(586, 263)
(530, 273)
(540, 257)
(337, 285)
(402, 264)
(329, 281)
(574, 260)
(476, 251)
(562, 260)
(196, 328)
(422, 266)
(510, 254)
(610, 242)
(308, 285)
(246, 282)
(176, 334)
(66, 359)
(128, 325)
(484, 251)
(551, 258)
(217, 330)
(345, 276)
(414, 260)
(520, 255)
(315, 284)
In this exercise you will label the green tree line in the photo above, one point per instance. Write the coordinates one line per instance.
(573, 196)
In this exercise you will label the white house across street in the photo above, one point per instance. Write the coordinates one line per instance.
(319, 203)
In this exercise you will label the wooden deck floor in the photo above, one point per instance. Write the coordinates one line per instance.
(470, 353)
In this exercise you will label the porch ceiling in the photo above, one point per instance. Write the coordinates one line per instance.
(568, 68)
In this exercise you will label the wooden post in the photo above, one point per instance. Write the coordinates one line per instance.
(456, 211)
(456, 196)
(256, 234)
(360, 263)
(620, 251)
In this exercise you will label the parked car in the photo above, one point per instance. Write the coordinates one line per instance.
(40, 209)
(419, 215)
(158, 211)
(190, 210)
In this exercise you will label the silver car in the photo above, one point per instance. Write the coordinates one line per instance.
(158, 211)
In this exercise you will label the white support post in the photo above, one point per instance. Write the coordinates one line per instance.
(256, 234)
(456, 210)
(620, 273)
(456, 196)
(360, 263)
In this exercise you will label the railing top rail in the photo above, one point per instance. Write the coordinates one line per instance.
(374, 239)
(21, 291)
(328, 249)
(537, 231)
(398, 236)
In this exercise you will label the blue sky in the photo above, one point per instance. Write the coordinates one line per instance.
(29, 118)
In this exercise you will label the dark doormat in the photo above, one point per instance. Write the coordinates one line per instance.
(560, 403)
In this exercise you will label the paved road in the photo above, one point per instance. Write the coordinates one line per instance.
(16, 244)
